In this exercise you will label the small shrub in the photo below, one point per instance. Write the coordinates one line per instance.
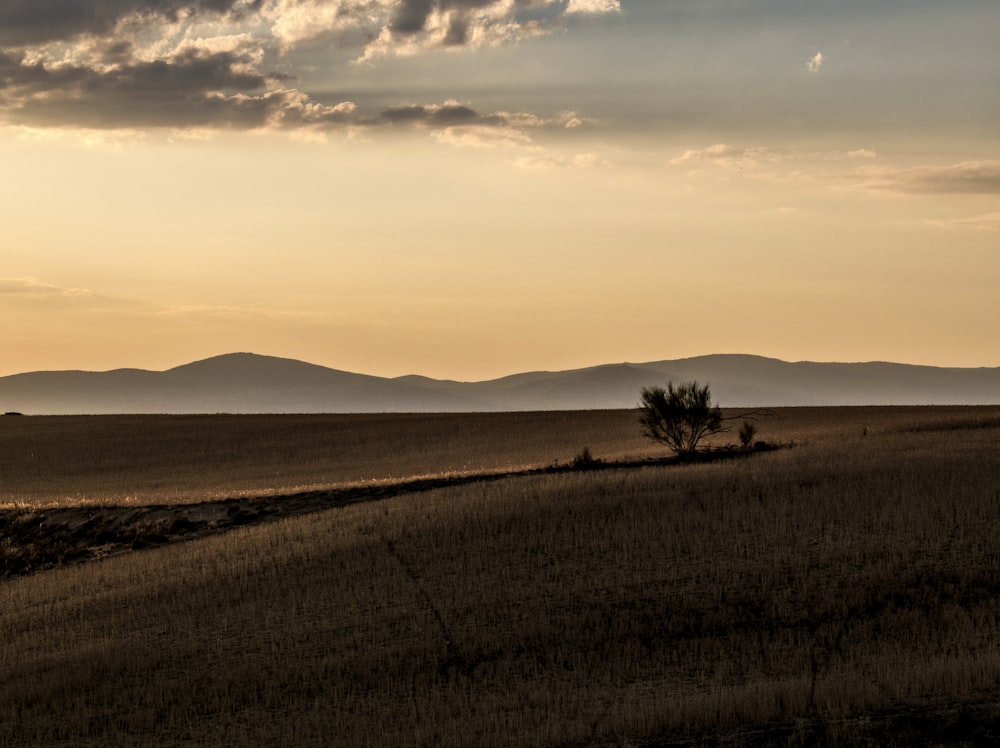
(747, 434)
(585, 460)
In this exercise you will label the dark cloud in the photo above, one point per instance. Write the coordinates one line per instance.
(405, 114)
(413, 25)
(101, 80)
(453, 114)
(458, 31)
(191, 88)
(191, 70)
(446, 115)
(24, 22)
(411, 16)
(282, 109)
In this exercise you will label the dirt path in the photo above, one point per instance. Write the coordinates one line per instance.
(34, 540)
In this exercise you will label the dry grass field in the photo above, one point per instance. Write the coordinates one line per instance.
(177, 459)
(843, 590)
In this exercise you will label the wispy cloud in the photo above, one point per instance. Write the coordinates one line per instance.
(482, 137)
(40, 295)
(231, 312)
(82, 300)
(720, 154)
(968, 177)
(542, 162)
(37, 288)
(815, 63)
(987, 221)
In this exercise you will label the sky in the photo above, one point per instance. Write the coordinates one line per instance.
(466, 189)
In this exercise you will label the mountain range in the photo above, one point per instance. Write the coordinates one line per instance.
(251, 383)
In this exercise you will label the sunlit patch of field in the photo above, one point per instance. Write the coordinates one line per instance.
(842, 591)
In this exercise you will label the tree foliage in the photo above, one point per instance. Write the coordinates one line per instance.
(680, 417)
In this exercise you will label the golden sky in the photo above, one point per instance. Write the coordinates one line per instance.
(470, 188)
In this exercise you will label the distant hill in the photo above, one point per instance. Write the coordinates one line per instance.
(250, 383)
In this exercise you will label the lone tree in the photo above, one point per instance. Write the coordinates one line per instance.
(681, 416)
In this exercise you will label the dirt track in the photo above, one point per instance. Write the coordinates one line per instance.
(38, 539)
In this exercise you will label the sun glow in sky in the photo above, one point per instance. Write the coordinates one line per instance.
(470, 188)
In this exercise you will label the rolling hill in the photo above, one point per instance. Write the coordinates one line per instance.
(251, 383)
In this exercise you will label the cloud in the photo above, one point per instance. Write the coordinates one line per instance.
(457, 125)
(385, 24)
(194, 88)
(36, 288)
(419, 25)
(482, 137)
(224, 64)
(968, 177)
(719, 154)
(579, 161)
(416, 25)
(352, 21)
(450, 114)
(230, 312)
(29, 22)
(205, 84)
(593, 6)
(815, 62)
(40, 295)
(989, 221)
(984, 222)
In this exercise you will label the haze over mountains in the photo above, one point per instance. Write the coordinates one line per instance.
(250, 383)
